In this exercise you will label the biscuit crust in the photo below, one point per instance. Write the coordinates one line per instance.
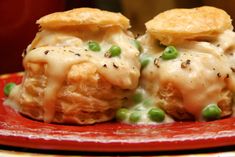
(177, 25)
(83, 17)
(174, 103)
(78, 101)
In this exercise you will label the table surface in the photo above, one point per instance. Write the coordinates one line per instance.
(6, 151)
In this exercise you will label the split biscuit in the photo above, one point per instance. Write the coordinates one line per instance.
(83, 17)
(178, 25)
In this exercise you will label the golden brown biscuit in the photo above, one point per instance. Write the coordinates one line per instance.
(77, 101)
(83, 17)
(201, 73)
(173, 103)
(176, 25)
(66, 79)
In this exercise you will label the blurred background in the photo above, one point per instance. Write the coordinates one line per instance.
(18, 17)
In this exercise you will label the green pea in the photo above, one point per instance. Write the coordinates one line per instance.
(8, 87)
(156, 114)
(144, 60)
(94, 46)
(170, 52)
(137, 97)
(121, 114)
(211, 112)
(137, 44)
(115, 51)
(135, 117)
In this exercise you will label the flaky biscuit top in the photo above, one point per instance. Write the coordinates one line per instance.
(88, 17)
(204, 67)
(62, 46)
(176, 25)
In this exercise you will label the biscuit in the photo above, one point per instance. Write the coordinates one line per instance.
(174, 103)
(187, 24)
(83, 17)
(77, 100)
(66, 80)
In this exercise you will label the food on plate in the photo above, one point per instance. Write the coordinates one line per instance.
(84, 67)
(188, 63)
(8, 87)
(79, 68)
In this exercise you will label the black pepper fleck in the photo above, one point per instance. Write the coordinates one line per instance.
(86, 50)
(107, 54)
(105, 66)
(156, 62)
(227, 76)
(233, 69)
(218, 74)
(46, 52)
(188, 61)
(77, 54)
(115, 66)
(185, 64)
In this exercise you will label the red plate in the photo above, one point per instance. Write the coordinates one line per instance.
(16, 130)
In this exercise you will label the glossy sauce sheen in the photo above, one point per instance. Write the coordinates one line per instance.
(200, 82)
(59, 51)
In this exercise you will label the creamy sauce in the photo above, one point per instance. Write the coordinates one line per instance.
(143, 108)
(58, 62)
(202, 80)
(127, 73)
(59, 51)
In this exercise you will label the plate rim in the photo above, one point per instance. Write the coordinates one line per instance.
(112, 146)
